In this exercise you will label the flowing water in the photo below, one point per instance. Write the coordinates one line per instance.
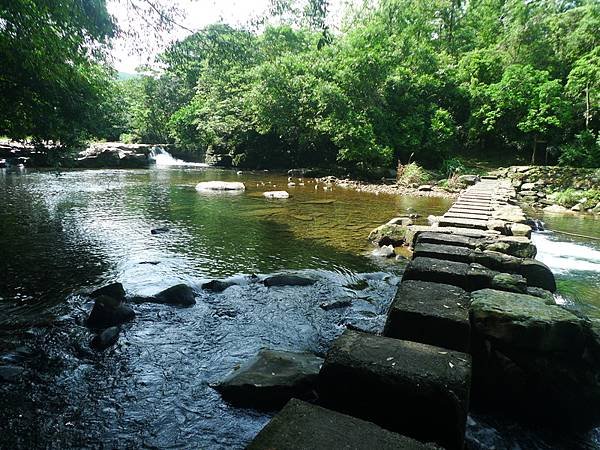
(64, 234)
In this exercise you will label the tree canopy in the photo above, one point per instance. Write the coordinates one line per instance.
(427, 79)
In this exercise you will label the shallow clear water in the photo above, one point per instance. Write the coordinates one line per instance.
(66, 233)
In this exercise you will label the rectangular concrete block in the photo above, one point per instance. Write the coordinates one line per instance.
(415, 389)
(300, 425)
(466, 276)
(441, 251)
(430, 313)
(464, 223)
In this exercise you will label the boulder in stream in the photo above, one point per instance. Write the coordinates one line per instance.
(220, 186)
(180, 294)
(217, 285)
(108, 311)
(113, 290)
(276, 194)
(271, 378)
(106, 339)
(288, 280)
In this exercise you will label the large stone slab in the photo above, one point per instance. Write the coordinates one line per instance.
(538, 274)
(442, 251)
(456, 240)
(415, 389)
(469, 215)
(447, 272)
(430, 313)
(464, 223)
(525, 321)
(271, 378)
(302, 426)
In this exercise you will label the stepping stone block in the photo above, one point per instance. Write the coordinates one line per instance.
(448, 272)
(456, 240)
(430, 313)
(301, 425)
(269, 379)
(414, 389)
(464, 223)
(440, 251)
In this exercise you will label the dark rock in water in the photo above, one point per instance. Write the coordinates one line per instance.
(536, 360)
(107, 338)
(414, 389)
(11, 374)
(180, 294)
(108, 312)
(431, 313)
(159, 230)
(336, 304)
(302, 425)
(542, 293)
(217, 285)
(271, 378)
(538, 274)
(113, 290)
(288, 280)
(152, 263)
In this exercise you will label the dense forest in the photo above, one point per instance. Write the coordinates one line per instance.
(427, 80)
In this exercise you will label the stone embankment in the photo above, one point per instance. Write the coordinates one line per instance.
(555, 189)
(474, 322)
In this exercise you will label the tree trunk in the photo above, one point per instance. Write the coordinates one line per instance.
(535, 142)
(587, 106)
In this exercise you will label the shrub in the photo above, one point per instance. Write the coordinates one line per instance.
(412, 174)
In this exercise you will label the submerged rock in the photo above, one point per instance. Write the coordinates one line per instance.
(107, 338)
(217, 285)
(220, 186)
(388, 234)
(288, 280)
(336, 304)
(108, 312)
(180, 294)
(159, 230)
(11, 374)
(271, 378)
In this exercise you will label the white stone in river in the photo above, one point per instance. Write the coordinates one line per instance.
(386, 251)
(276, 194)
(220, 186)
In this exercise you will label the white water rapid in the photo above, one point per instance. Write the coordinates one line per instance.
(163, 158)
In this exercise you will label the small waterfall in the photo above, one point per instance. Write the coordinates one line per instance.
(163, 158)
(564, 257)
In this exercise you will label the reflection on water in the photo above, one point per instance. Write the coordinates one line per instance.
(65, 233)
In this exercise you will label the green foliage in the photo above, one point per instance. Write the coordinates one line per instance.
(569, 197)
(584, 151)
(412, 174)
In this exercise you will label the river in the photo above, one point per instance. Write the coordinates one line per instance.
(65, 233)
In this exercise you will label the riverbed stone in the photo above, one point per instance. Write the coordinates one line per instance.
(415, 389)
(525, 321)
(180, 294)
(538, 274)
(108, 312)
(105, 339)
(271, 378)
(220, 186)
(217, 285)
(430, 313)
(520, 229)
(276, 194)
(300, 425)
(113, 290)
(11, 374)
(287, 280)
(388, 234)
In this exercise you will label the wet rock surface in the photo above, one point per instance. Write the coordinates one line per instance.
(108, 312)
(415, 389)
(271, 378)
(287, 280)
(431, 313)
(106, 339)
(302, 425)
